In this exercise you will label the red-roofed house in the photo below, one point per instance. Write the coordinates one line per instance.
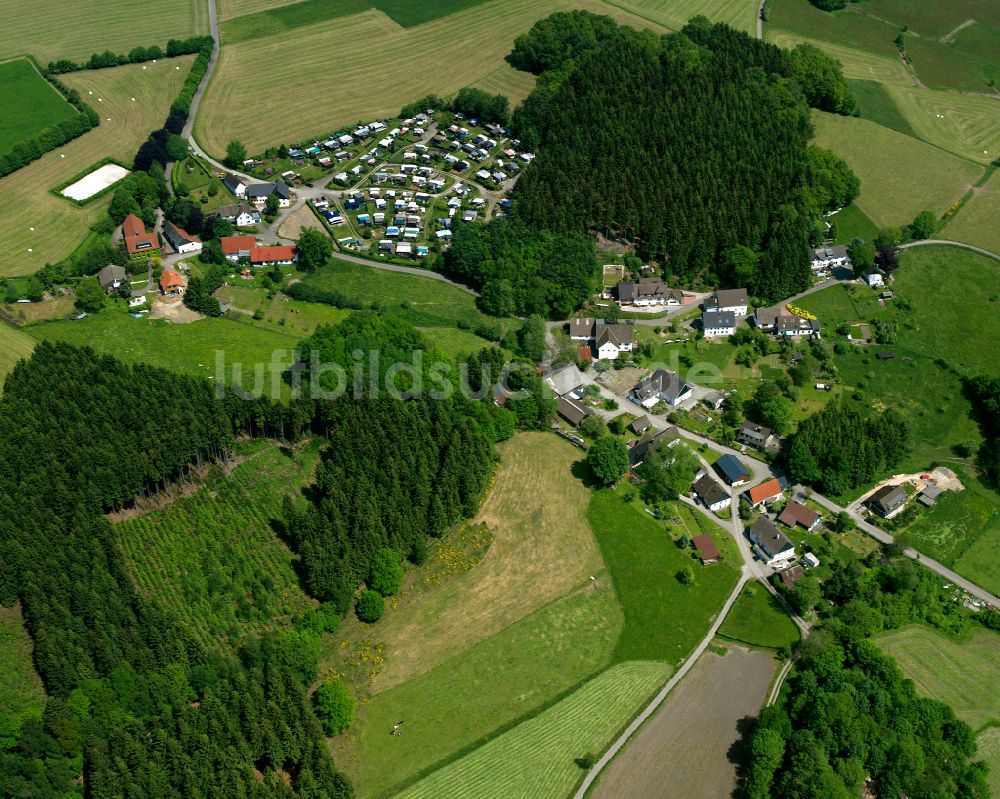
(137, 241)
(796, 513)
(269, 256)
(171, 283)
(707, 550)
(763, 494)
(237, 247)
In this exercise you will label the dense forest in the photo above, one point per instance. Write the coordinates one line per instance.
(688, 146)
(131, 698)
(521, 270)
(842, 447)
(985, 393)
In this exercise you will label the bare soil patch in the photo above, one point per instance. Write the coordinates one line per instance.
(690, 746)
(176, 312)
(297, 221)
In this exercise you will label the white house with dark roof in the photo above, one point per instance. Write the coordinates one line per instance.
(735, 300)
(718, 323)
(610, 341)
(236, 185)
(824, 258)
(770, 544)
(713, 495)
(662, 385)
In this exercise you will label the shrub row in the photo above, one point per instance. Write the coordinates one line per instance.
(136, 55)
(198, 69)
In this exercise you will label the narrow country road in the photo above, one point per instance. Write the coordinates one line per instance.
(963, 245)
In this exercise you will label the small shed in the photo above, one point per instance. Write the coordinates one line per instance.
(708, 552)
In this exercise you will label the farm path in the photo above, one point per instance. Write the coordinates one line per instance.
(963, 245)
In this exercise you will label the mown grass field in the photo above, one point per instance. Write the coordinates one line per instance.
(52, 30)
(59, 225)
(428, 301)
(14, 345)
(664, 619)
(281, 314)
(900, 176)
(688, 743)
(212, 559)
(189, 348)
(877, 103)
(336, 81)
(536, 758)
(759, 620)
(454, 342)
(21, 692)
(962, 124)
(976, 221)
(961, 673)
(37, 102)
(456, 705)
(307, 12)
(852, 222)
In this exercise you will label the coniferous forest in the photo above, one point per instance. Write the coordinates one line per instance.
(135, 707)
(686, 145)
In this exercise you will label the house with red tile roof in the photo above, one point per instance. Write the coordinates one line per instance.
(269, 256)
(797, 513)
(171, 283)
(763, 493)
(237, 247)
(138, 242)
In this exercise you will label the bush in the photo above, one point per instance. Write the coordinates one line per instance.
(334, 707)
(370, 606)
(386, 575)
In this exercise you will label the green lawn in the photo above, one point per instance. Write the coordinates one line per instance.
(536, 758)
(422, 300)
(759, 620)
(212, 559)
(281, 314)
(21, 692)
(460, 704)
(37, 102)
(875, 103)
(851, 223)
(14, 345)
(192, 348)
(976, 221)
(664, 619)
(452, 341)
(404, 12)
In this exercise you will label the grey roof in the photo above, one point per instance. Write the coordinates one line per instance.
(888, 498)
(792, 322)
(768, 317)
(638, 451)
(709, 490)
(232, 181)
(754, 430)
(175, 235)
(260, 190)
(731, 469)
(282, 190)
(931, 490)
(726, 298)
(626, 290)
(830, 253)
(619, 335)
(663, 384)
(572, 411)
(768, 537)
(564, 379)
(109, 274)
(230, 212)
(582, 327)
(713, 319)
(640, 425)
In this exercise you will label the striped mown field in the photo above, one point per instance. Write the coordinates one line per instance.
(978, 221)
(50, 30)
(14, 345)
(333, 78)
(964, 124)
(675, 13)
(858, 64)
(536, 758)
(900, 176)
(59, 225)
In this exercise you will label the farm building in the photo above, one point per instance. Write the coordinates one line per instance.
(732, 470)
(236, 184)
(236, 248)
(182, 241)
(572, 411)
(929, 495)
(282, 254)
(708, 552)
(137, 241)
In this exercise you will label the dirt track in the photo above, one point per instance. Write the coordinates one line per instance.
(686, 748)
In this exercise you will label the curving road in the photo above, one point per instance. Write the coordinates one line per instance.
(948, 242)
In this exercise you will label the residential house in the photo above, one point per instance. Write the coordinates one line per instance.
(929, 495)
(638, 451)
(236, 184)
(612, 340)
(770, 544)
(171, 283)
(791, 325)
(715, 400)
(239, 215)
(718, 323)
(766, 319)
(887, 501)
(732, 470)
(735, 300)
(825, 258)
(138, 242)
(648, 292)
(278, 255)
(582, 329)
(182, 241)
(111, 277)
(237, 248)
(797, 513)
(755, 435)
(764, 494)
(708, 552)
(572, 411)
(640, 425)
(259, 192)
(662, 385)
(564, 380)
(791, 576)
(712, 494)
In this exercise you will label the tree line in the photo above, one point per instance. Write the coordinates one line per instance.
(136, 55)
(470, 101)
(686, 146)
(984, 392)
